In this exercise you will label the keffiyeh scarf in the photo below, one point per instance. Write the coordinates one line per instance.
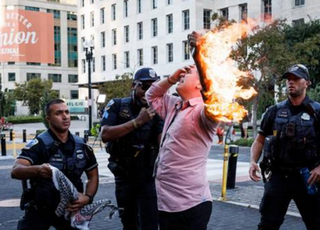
(68, 193)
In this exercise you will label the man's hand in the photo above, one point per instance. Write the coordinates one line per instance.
(253, 170)
(193, 39)
(179, 73)
(314, 175)
(44, 171)
(78, 204)
(145, 115)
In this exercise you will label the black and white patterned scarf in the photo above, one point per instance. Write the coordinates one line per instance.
(68, 193)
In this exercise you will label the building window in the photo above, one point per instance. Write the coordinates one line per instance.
(72, 47)
(154, 23)
(298, 22)
(72, 16)
(92, 1)
(186, 19)
(102, 15)
(140, 57)
(169, 2)
(186, 50)
(114, 61)
(11, 63)
(32, 8)
(206, 19)
(125, 8)
(82, 42)
(33, 63)
(54, 77)
(57, 47)
(103, 38)
(83, 66)
(74, 94)
(114, 36)
(170, 52)
(225, 13)
(82, 3)
(103, 63)
(138, 6)
(72, 78)
(267, 10)
(56, 13)
(243, 12)
(154, 4)
(83, 22)
(299, 2)
(93, 64)
(154, 54)
(92, 18)
(11, 76)
(140, 30)
(33, 76)
(126, 59)
(113, 12)
(170, 23)
(126, 34)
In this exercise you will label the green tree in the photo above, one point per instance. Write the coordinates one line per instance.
(118, 88)
(33, 93)
(8, 102)
(265, 52)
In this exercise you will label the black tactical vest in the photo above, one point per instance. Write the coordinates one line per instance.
(297, 138)
(72, 166)
(137, 151)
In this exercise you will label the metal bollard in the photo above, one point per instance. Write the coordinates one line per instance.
(232, 166)
(24, 135)
(14, 147)
(77, 134)
(224, 174)
(86, 135)
(3, 145)
(11, 133)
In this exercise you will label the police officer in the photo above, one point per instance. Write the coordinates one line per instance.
(59, 148)
(289, 137)
(133, 130)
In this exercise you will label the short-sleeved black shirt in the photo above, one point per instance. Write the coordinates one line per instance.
(266, 126)
(110, 116)
(35, 152)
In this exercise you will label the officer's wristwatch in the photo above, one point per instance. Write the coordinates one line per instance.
(90, 198)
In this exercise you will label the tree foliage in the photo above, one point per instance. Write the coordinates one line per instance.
(35, 93)
(118, 88)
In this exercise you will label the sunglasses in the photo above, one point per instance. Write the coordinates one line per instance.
(144, 85)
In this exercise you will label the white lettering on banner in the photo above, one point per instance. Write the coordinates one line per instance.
(17, 38)
(20, 18)
(9, 51)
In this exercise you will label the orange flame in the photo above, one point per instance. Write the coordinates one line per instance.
(220, 73)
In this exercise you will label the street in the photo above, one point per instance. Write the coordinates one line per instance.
(238, 212)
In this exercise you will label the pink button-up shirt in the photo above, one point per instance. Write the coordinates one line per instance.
(181, 179)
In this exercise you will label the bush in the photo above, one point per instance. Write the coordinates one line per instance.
(244, 142)
(24, 119)
(74, 118)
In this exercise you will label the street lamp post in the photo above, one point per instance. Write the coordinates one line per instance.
(88, 47)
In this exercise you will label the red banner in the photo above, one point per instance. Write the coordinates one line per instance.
(26, 36)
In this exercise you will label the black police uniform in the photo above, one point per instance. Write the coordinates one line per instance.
(292, 143)
(132, 160)
(73, 158)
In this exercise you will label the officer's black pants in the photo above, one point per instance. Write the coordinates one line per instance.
(195, 218)
(139, 201)
(42, 220)
(279, 191)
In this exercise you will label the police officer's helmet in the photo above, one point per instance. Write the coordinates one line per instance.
(298, 70)
(145, 74)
